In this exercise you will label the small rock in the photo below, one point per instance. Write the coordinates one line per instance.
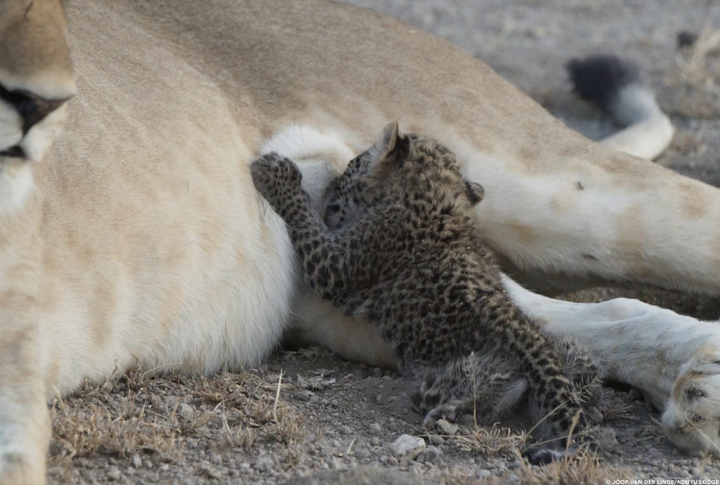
(467, 420)
(607, 441)
(432, 453)
(513, 465)
(305, 395)
(136, 461)
(594, 415)
(164, 467)
(407, 447)
(186, 412)
(114, 474)
(421, 458)
(696, 471)
(147, 464)
(635, 395)
(654, 453)
(346, 430)
(362, 453)
(156, 401)
(215, 459)
(482, 473)
(446, 427)
(436, 440)
(384, 459)
(512, 478)
(264, 463)
(375, 428)
(375, 441)
(393, 461)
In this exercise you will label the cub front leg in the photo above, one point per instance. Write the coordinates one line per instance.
(325, 257)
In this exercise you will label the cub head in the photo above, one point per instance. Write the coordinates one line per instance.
(401, 167)
(691, 419)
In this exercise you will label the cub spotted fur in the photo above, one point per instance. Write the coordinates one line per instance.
(400, 246)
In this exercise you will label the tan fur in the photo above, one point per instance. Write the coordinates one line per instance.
(143, 240)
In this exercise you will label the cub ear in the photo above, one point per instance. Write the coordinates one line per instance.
(391, 145)
(475, 192)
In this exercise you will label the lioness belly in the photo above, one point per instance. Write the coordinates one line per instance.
(158, 251)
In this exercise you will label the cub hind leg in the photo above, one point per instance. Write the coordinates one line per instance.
(483, 386)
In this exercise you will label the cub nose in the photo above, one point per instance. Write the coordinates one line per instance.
(31, 107)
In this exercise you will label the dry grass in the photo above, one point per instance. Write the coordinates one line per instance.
(100, 431)
(248, 402)
(143, 415)
(584, 468)
(492, 441)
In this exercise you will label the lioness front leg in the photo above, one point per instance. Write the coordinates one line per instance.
(24, 417)
(673, 359)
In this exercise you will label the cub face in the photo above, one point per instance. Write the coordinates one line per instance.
(398, 168)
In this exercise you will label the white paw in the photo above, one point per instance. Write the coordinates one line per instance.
(691, 419)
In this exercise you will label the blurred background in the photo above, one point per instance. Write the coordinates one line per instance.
(529, 41)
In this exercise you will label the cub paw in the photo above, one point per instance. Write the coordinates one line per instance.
(542, 456)
(275, 177)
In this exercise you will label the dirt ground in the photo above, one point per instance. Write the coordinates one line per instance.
(307, 411)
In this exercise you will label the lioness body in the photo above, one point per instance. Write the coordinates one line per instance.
(139, 237)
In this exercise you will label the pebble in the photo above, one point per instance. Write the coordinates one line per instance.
(654, 452)
(415, 469)
(435, 439)
(407, 447)
(375, 441)
(264, 463)
(446, 427)
(186, 412)
(362, 453)
(346, 430)
(114, 474)
(136, 461)
(482, 473)
(304, 395)
(164, 467)
(215, 459)
(375, 428)
(594, 415)
(607, 441)
(432, 453)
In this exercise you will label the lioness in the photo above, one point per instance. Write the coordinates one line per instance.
(137, 236)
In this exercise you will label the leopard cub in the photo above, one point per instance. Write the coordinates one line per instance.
(399, 245)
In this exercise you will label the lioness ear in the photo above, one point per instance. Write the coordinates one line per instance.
(391, 145)
(475, 192)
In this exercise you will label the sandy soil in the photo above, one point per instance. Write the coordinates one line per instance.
(308, 411)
